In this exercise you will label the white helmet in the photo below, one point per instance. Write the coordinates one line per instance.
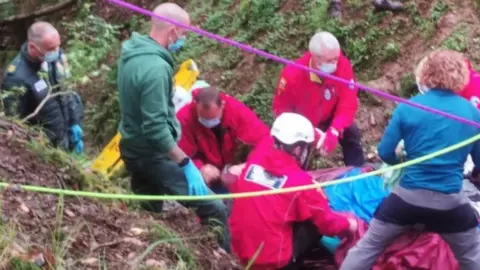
(290, 128)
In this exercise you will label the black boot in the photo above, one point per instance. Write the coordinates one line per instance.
(335, 9)
(383, 5)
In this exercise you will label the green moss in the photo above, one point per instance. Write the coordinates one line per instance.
(408, 86)
(458, 39)
(17, 264)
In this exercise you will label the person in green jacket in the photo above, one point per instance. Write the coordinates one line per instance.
(149, 128)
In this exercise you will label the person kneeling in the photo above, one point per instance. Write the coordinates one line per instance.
(211, 127)
(281, 227)
(429, 194)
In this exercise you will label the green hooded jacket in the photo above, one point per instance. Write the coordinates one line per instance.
(148, 125)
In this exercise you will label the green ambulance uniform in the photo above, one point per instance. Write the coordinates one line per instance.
(57, 114)
(149, 128)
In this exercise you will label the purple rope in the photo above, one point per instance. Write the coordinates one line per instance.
(284, 61)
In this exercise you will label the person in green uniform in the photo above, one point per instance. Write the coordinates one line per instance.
(38, 69)
(149, 128)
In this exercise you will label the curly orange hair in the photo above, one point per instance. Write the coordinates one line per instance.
(443, 69)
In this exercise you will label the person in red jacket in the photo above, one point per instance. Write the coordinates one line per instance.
(285, 226)
(211, 126)
(472, 90)
(330, 105)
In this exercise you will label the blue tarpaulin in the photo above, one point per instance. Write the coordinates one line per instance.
(360, 197)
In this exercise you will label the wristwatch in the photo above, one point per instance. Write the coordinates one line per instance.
(184, 162)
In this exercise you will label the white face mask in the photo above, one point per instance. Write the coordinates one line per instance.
(328, 67)
(210, 123)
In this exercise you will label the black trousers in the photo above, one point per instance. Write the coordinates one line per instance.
(159, 176)
(353, 154)
(305, 238)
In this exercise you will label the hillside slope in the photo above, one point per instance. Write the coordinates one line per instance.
(78, 233)
(383, 47)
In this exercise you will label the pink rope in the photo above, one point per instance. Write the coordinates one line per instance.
(284, 61)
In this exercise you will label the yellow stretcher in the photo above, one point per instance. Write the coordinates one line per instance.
(109, 161)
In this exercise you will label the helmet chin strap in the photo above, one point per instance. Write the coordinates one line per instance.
(305, 157)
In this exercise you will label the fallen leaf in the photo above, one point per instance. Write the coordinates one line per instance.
(133, 241)
(24, 208)
(69, 213)
(137, 231)
(155, 263)
(372, 120)
(131, 256)
(89, 261)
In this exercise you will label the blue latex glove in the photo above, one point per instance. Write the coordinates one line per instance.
(79, 147)
(77, 133)
(196, 184)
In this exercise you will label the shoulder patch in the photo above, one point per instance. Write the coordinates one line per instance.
(40, 85)
(258, 175)
(11, 68)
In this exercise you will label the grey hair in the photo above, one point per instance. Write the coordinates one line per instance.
(38, 30)
(170, 11)
(323, 41)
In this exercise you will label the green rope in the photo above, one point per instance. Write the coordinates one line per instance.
(236, 195)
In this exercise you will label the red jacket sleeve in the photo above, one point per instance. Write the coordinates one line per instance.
(283, 99)
(328, 222)
(250, 129)
(472, 91)
(347, 106)
(187, 140)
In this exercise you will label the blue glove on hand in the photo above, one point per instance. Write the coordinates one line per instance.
(77, 133)
(79, 147)
(196, 184)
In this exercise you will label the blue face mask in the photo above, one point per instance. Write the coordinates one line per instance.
(328, 67)
(174, 47)
(51, 56)
(209, 123)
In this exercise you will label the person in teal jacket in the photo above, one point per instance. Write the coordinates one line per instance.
(429, 195)
(149, 128)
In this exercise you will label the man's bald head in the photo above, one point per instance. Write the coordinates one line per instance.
(43, 37)
(39, 30)
(170, 11)
(166, 33)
